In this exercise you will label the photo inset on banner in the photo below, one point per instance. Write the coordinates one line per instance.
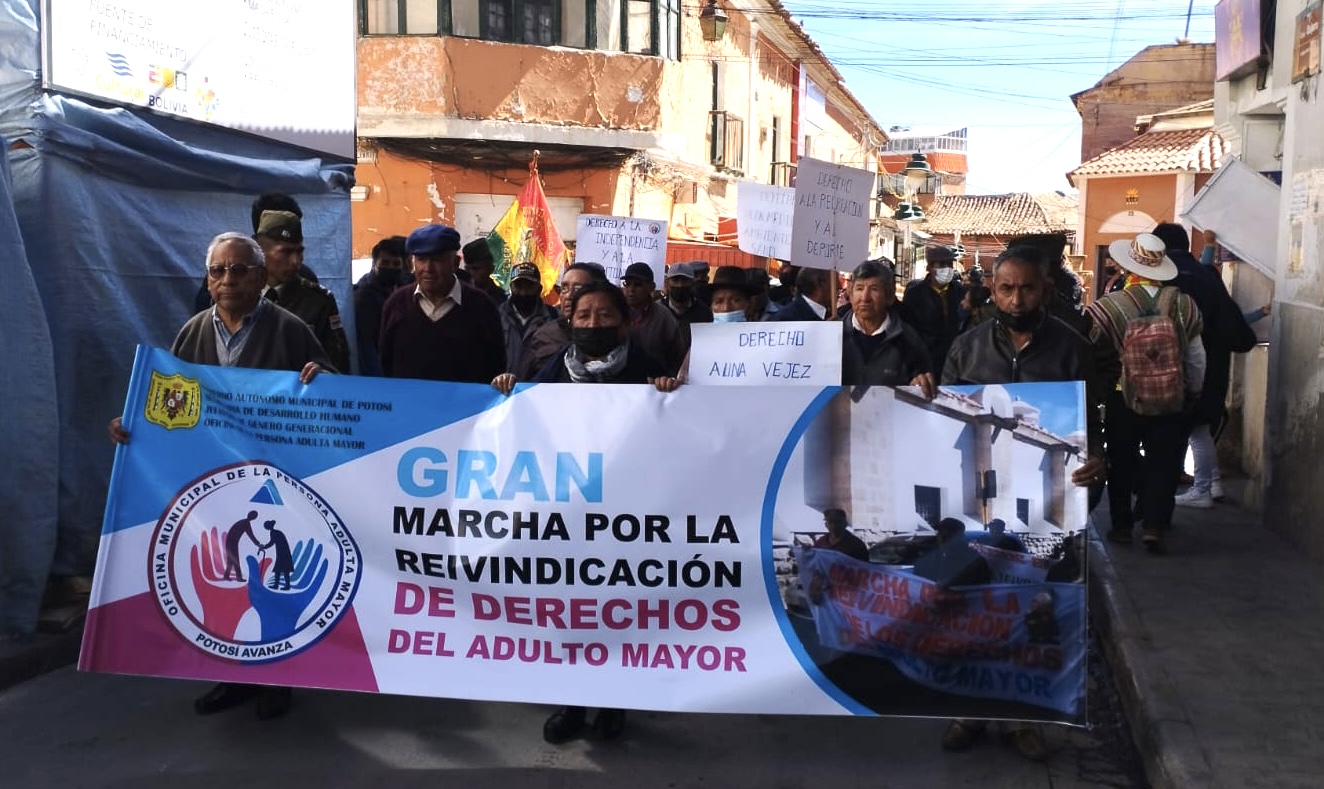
(929, 553)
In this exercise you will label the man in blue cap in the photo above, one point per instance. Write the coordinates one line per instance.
(442, 329)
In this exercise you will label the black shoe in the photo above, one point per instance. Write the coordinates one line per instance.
(273, 703)
(1119, 536)
(1153, 541)
(609, 724)
(960, 735)
(563, 725)
(223, 697)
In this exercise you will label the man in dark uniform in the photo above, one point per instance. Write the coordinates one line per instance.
(267, 201)
(280, 233)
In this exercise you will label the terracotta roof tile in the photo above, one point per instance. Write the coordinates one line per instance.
(1195, 150)
(1011, 214)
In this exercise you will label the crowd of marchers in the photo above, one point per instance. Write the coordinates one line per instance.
(1153, 350)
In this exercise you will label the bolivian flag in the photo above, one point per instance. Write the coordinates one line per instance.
(526, 234)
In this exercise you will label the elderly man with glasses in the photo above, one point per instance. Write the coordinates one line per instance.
(242, 329)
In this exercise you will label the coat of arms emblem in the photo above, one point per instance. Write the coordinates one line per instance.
(173, 401)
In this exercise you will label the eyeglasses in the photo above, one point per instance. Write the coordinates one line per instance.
(239, 270)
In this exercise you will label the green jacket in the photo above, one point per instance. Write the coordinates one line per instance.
(316, 306)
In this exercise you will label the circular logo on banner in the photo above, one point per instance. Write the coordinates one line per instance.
(250, 564)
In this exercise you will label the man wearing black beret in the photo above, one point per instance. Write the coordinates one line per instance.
(442, 329)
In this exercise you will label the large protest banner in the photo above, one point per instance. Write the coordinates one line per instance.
(434, 539)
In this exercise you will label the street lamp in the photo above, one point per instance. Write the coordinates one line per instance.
(712, 21)
(917, 171)
(908, 212)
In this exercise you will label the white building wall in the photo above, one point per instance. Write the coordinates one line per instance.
(1294, 420)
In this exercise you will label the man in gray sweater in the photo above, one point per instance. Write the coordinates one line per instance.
(242, 329)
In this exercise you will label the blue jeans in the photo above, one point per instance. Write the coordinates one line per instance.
(1205, 455)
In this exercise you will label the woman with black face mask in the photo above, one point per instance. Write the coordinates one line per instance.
(599, 352)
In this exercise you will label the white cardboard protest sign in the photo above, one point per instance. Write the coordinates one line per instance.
(831, 224)
(614, 242)
(763, 219)
(783, 354)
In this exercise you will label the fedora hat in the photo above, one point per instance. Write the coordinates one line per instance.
(732, 277)
(1144, 256)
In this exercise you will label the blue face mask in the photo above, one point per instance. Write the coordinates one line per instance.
(729, 317)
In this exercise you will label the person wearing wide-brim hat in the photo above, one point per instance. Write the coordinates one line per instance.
(1147, 406)
(1144, 256)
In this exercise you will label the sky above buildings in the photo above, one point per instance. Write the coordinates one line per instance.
(1006, 70)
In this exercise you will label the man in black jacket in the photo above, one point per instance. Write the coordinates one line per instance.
(370, 295)
(877, 348)
(812, 299)
(1225, 332)
(1023, 343)
(933, 305)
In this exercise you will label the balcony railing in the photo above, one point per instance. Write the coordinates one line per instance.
(728, 141)
(783, 174)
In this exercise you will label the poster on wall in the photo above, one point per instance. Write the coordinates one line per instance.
(858, 551)
(281, 70)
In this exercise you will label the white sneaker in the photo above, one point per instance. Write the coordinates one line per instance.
(1195, 499)
(1216, 491)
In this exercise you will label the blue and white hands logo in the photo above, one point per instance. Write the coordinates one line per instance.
(250, 564)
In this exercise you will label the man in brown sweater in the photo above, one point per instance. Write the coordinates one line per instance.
(242, 329)
(442, 329)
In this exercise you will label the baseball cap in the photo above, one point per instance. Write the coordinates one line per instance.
(281, 226)
(682, 270)
(526, 271)
(640, 271)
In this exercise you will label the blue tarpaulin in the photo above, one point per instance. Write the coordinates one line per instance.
(104, 226)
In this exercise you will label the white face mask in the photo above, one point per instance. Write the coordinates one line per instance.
(943, 275)
(737, 316)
